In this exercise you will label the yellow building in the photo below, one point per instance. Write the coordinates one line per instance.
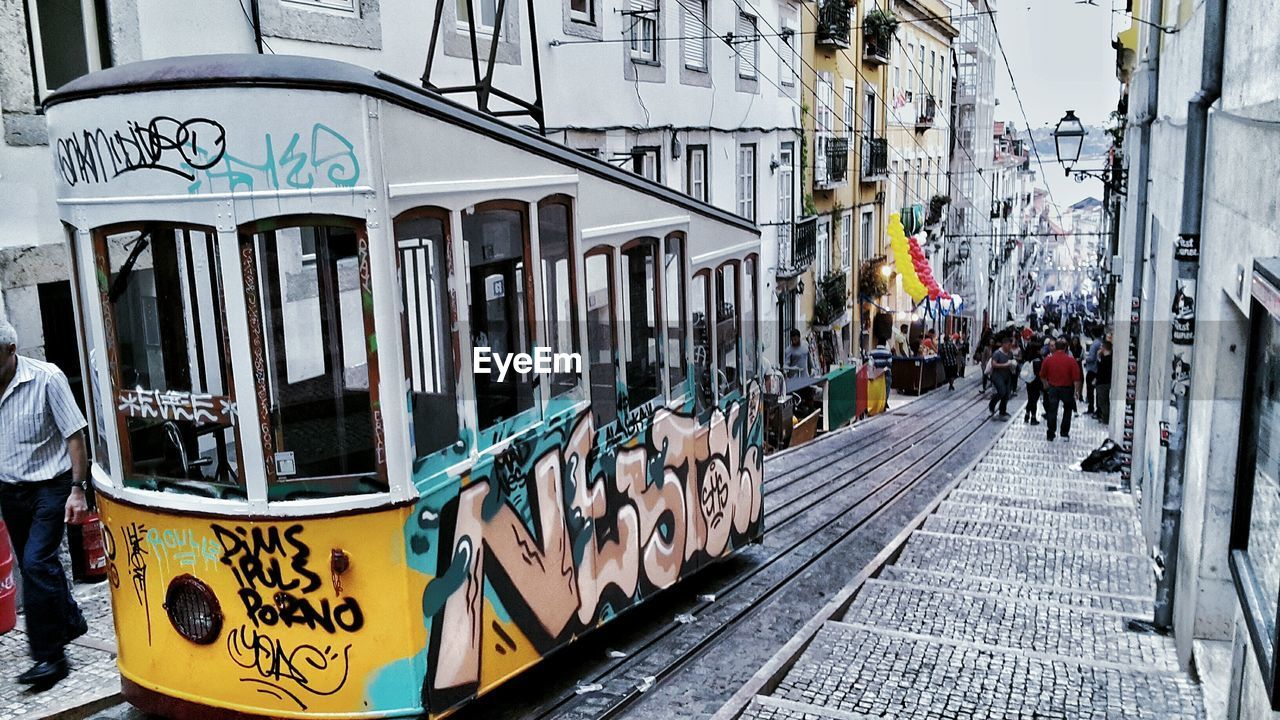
(844, 165)
(919, 120)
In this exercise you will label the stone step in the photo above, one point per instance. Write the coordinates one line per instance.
(1114, 524)
(1046, 488)
(862, 670)
(1034, 534)
(1107, 509)
(1085, 569)
(1068, 479)
(1035, 625)
(1136, 606)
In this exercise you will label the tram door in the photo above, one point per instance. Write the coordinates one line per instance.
(497, 247)
(313, 324)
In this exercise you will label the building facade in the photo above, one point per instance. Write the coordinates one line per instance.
(1194, 393)
(845, 169)
(700, 95)
(973, 156)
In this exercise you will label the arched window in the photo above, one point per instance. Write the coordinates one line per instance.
(559, 282)
(727, 337)
(750, 318)
(431, 350)
(601, 335)
(167, 354)
(700, 306)
(677, 315)
(642, 344)
(314, 325)
(496, 235)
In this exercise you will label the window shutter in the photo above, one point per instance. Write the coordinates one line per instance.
(695, 32)
(746, 41)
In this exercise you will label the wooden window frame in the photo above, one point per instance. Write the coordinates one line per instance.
(253, 306)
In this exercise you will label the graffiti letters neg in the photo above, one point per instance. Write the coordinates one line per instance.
(198, 151)
(166, 144)
(566, 533)
(288, 671)
(268, 561)
(134, 535)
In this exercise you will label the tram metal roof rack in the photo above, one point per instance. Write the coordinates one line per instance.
(295, 71)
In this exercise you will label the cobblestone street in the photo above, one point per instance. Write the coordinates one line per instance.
(1010, 601)
(93, 682)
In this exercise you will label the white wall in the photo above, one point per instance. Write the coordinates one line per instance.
(1240, 221)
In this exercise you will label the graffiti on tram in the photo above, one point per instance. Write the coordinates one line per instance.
(561, 534)
(198, 151)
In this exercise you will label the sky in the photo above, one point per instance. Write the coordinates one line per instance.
(1062, 59)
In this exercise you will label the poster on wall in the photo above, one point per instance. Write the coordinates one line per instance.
(1184, 312)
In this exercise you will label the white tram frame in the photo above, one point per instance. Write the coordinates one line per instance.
(496, 162)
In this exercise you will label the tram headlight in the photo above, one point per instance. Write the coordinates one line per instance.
(193, 609)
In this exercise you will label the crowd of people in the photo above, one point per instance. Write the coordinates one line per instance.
(1056, 368)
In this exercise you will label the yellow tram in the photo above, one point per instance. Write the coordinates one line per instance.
(316, 504)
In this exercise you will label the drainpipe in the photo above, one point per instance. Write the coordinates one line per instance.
(1187, 262)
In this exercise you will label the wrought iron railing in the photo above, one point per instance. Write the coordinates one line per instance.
(804, 242)
(875, 49)
(837, 159)
(928, 110)
(875, 158)
(833, 24)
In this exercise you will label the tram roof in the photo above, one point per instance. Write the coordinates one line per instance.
(296, 71)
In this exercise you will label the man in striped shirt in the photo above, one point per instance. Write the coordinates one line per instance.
(44, 467)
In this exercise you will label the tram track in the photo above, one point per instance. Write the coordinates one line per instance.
(896, 486)
(841, 470)
(656, 654)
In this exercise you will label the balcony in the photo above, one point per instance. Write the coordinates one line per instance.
(875, 50)
(875, 159)
(833, 24)
(928, 110)
(804, 243)
(831, 161)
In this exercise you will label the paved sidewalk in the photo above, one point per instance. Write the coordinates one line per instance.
(94, 681)
(1011, 601)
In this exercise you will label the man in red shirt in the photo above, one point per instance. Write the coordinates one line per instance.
(1063, 384)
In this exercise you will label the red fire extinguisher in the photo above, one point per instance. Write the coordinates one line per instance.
(8, 588)
(88, 551)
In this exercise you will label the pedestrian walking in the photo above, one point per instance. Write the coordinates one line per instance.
(982, 355)
(882, 364)
(1029, 374)
(1003, 367)
(44, 468)
(1063, 384)
(949, 353)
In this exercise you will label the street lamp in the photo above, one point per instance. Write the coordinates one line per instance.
(1068, 136)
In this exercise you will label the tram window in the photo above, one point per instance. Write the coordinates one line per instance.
(320, 394)
(750, 330)
(173, 400)
(698, 302)
(560, 311)
(642, 346)
(422, 244)
(497, 254)
(677, 314)
(601, 338)
(727, 361)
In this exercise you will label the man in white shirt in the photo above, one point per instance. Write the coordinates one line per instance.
(44, 468)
